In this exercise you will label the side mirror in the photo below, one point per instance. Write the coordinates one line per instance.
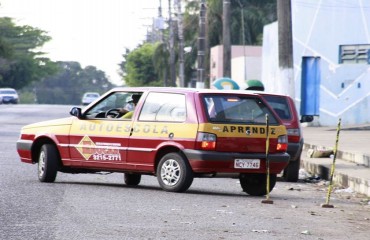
(76, 111)
(306, 118)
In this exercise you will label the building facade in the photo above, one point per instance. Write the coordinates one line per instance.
(338, 33)
(246, 64)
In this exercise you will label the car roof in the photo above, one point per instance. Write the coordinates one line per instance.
(266, 93)
(181, 90)
(8, 89)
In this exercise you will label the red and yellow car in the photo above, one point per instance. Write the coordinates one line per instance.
(175, 134)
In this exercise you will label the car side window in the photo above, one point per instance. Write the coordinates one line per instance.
(114, 101)
(164, 107)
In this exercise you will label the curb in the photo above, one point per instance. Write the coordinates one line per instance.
(346, 174)
(357, 158)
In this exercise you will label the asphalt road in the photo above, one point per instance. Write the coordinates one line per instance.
(84, 206)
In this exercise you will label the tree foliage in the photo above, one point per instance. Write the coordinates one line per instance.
(140, 67)
(70, 83)
(255, 13)
(20, 62)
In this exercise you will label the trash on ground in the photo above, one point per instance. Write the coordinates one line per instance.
(303, 174)
(306, 232)
(260, 231)
(307, 177)
(319, 152)
(346, 190)
(293, 189)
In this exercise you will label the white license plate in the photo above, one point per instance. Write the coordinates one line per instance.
(247, 163)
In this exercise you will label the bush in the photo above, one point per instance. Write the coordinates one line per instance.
(26, 97)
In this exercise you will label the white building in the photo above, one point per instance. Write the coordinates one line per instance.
(246, 64)
(338, 32)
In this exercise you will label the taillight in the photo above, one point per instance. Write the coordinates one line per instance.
(282, 144)
(206, 141)
(294, 135)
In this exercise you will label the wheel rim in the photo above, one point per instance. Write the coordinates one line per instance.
(170, 172)
(41, 164)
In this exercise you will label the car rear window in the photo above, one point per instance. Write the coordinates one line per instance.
(280, 106)
(237, 109)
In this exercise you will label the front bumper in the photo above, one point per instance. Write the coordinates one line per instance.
(10, 100)
(24, 150)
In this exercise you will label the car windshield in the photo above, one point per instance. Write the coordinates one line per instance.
(237, 109)
(92, 95)
(7, 92)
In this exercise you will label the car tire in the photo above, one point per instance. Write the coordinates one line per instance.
(255, 183)
(132, 179)
(291, 172)
(48, 163)
(174, 173)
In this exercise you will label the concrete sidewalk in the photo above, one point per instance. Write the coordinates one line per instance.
(352, 168)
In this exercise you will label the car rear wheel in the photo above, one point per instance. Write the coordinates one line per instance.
(132, 179)
(48, 163)
(291, 172)
(255, 183)
(174, 173)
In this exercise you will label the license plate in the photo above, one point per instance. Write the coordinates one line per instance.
(247, 163)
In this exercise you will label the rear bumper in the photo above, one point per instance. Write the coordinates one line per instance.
(295, 150)
(220, 162)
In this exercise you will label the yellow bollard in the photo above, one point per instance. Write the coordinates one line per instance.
(327, 205)
(267, 200)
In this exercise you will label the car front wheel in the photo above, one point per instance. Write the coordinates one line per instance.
(255, 183)
(48, 163)
(174, 173)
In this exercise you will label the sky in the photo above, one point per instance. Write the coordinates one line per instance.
(92, 32)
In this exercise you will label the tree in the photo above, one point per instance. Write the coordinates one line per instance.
(69, 84)
(140, 68)
(257, 13)
(21, 64)
(160, 60)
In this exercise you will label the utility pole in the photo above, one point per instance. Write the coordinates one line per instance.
(181, 43)
(226, 39)
(243, 39)
(172, 49)
(163, 41)
(201, 46)
(286, 76)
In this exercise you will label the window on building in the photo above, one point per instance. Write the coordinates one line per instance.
(356, 53)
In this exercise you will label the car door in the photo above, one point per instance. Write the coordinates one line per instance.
(163, 121)
(100, 140)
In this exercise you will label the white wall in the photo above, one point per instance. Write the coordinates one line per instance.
(319, 27)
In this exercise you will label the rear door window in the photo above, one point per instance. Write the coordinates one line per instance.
(237, 109)
(164, 107)
(280, 106)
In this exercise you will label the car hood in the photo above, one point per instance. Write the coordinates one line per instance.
(50, 123)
